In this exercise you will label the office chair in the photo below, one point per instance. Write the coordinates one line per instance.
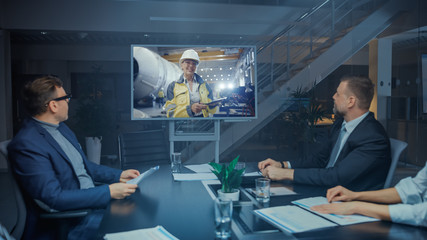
(16, 225)
(59, 218)
(397, 148)
(143, 147)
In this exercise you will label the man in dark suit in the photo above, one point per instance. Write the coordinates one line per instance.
(357, 154)
(49, 163)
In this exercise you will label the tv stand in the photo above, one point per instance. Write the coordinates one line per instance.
(177, 135)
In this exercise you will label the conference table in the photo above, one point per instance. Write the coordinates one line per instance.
(186, 210)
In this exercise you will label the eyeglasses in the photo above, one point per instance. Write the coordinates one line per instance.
(67, 98)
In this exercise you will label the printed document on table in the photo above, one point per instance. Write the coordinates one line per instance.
(306, 203)
(194, 176)
(253, 174)
(293, 219)
(276, 191)
(200, 168)
(156, 233)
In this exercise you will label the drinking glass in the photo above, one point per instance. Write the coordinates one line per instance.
(262, 189)
(223, 215)
(241, 165)
(176, 162)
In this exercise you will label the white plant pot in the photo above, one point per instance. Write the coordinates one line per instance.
(234, 196)
(93, 149)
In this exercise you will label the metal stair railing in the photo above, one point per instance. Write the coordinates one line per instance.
(295, 47)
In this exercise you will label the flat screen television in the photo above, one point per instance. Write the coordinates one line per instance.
(225, 76)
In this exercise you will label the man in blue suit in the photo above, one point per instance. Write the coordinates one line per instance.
(49, 163)
(357, 154)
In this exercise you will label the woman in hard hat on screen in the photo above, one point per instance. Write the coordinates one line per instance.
(189, 95)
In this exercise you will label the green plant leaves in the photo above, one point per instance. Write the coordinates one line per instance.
(229, 177)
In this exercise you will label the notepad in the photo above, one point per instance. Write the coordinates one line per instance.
(147, 173)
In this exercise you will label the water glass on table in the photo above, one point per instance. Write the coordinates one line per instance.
(223, 215)
(240, 165)
(262, 189)
(176, 162)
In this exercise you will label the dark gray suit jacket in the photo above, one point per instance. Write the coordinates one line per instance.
(362, 164)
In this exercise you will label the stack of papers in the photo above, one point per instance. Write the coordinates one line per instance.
(301, 218)
(156, 233)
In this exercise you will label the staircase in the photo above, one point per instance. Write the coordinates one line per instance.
(301, 55)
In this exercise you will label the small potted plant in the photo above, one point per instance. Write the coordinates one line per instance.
(230, 179)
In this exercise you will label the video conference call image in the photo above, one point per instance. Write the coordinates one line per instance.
(193, 82)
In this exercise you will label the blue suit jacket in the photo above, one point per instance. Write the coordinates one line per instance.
(46, 173)
(362, 164)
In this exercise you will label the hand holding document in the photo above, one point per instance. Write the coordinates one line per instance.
(156, 233)
(147, 173)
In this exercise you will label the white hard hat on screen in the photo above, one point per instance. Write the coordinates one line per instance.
(190, 54)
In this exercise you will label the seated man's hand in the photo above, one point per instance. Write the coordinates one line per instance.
(275, 173)
(269, 162)
(121, 190)
(128, 175)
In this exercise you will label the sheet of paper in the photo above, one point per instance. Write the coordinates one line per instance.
(293, 219)
(194, 176)
(281, 191)
(156, 233)
(306, 203)
(143, 175)
(253, 174)
(200, 168)
(276, 191)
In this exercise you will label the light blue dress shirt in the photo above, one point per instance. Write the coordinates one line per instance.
(413, 193)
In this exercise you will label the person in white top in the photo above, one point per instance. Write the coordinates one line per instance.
(405, 203)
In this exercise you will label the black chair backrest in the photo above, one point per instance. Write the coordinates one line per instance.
(143, 147)
(16, 222)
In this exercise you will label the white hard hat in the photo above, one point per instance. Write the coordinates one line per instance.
(190, 54)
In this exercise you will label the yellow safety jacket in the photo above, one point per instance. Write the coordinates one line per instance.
(178, 94)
